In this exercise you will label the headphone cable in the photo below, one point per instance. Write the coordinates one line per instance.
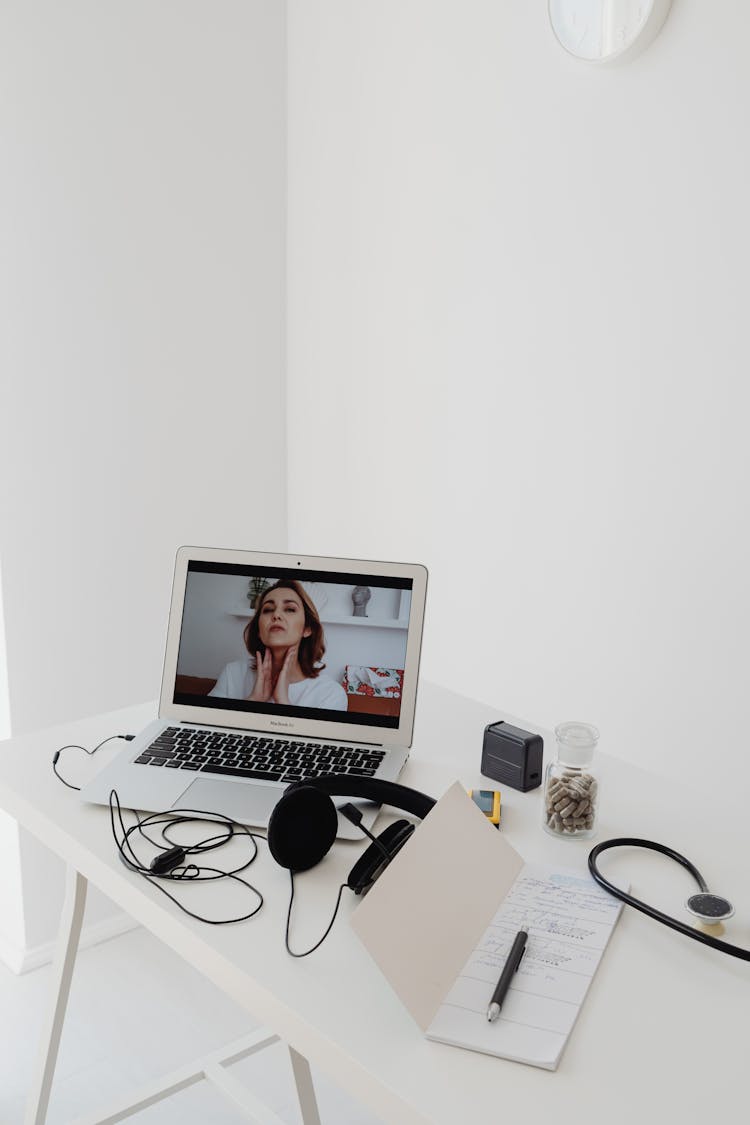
(76, 746)
(312, 949)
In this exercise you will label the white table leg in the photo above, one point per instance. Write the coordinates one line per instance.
(305, 1090)
(62, 970)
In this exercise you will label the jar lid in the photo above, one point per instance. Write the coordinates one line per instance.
(577, 742)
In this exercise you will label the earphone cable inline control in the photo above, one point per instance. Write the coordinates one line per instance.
(170, 864)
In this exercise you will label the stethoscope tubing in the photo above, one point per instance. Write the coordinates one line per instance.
(651, 911)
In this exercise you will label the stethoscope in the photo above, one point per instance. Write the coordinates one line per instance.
(708, 908)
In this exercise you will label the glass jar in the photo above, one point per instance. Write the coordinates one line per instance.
(571, 789)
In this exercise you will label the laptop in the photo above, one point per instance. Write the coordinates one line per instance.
(277, 668)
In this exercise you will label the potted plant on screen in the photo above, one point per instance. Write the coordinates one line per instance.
(256, 588)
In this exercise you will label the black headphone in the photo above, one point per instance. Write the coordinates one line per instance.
(304, 823)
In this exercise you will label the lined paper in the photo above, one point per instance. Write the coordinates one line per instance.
(569, 920)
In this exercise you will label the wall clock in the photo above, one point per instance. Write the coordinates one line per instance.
(607, 30)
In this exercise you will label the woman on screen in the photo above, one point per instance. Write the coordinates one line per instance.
(285, 642)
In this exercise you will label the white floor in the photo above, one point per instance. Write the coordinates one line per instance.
(136, 1012)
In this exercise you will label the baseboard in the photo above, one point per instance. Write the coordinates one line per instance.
(21, 960)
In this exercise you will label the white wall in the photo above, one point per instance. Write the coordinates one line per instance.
(12, 932)
(516, 318)
(142, 281)
(142, 211)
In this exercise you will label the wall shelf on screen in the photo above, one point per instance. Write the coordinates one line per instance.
(368, 622)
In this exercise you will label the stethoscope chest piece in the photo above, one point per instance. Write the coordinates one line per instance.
(710, 912)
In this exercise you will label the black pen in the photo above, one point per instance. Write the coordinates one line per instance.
(506, 976)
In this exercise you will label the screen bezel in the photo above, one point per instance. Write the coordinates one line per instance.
(286, 724)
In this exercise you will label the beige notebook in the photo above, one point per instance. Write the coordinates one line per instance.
(440, 921)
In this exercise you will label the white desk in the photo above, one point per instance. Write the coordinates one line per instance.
(662, 1033)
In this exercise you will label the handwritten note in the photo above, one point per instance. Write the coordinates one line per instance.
(569, 920)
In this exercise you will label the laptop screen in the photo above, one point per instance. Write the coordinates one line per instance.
(312, 644)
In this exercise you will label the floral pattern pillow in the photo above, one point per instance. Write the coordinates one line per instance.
(360, 680)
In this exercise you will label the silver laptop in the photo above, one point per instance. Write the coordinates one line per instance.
(277, 668)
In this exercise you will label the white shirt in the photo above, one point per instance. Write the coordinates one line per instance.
(237, 679)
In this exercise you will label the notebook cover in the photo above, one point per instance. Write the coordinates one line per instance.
(420, 921)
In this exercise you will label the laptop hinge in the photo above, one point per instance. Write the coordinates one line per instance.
(272, 734)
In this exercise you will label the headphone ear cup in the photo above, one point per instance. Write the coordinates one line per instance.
(372, 862)
(302, 828)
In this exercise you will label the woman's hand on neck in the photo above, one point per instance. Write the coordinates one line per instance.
(286, 671)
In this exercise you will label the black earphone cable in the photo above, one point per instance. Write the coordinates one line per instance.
(354, 815)
(75, 746)
(651, 911)
(190, 871)
(312, 948)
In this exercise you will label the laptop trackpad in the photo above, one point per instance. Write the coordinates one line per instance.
(247, 804)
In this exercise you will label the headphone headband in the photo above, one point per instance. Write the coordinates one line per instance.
(371, 789)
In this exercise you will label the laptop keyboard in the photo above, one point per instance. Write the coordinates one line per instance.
(259, 756)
